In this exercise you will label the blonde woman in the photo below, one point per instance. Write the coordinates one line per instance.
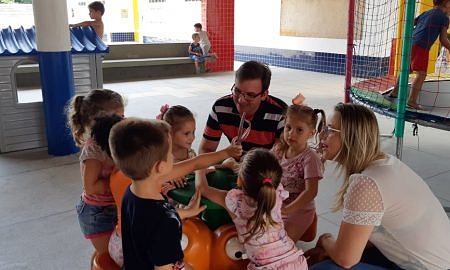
(382, 201)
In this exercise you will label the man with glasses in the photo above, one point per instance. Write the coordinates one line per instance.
(249, 95)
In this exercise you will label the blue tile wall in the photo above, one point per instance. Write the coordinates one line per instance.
(122, 36)
(363, 66)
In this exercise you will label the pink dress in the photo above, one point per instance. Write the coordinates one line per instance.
(271, 250)
(305, 165)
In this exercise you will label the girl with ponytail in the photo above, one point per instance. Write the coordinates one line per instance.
(302, 167)
(256, 211)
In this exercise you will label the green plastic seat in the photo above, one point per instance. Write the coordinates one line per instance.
(214, 215)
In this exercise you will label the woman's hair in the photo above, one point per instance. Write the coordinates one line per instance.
(82, 110)
(309, 116)
(260, 175)
(175, 115)
(360, 138)
(101, 129)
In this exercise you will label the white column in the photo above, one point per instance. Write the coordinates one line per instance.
(52, 25)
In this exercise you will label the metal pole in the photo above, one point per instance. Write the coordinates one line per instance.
(350, 37)
(404, 75)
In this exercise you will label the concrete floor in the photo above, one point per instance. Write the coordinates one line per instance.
(38, 225)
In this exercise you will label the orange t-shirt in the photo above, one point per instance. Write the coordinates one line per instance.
(118, 183)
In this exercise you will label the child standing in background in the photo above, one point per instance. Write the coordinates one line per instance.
(302, 168)
(96, 209)
(205, 44)
(96, 11)
(151, 227)
(256, 212)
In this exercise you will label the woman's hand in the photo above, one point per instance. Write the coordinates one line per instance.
(315, 255)
(321, 238)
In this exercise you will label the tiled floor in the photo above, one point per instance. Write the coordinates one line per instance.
(38, 225)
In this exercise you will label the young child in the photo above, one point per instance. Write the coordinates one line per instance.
(182, 123)
(96, 11)
(302, 168)
(196, 53)
(205, 44)
(428, 26)
(256, 212)
(151, 227)
(96, 209)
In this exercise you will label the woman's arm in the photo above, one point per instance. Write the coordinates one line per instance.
(348, 248)
(91, 173)
(203, 161)
(310, 192)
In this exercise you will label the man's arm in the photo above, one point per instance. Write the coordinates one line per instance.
(207, 146)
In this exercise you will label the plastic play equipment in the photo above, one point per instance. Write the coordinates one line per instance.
(22, 125)
(379, 42)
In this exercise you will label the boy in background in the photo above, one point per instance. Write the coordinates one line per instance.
(96, 11)
(428, 26)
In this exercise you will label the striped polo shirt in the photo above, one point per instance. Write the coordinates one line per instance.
(266, 125)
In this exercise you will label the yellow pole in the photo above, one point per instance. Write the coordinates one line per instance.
(136, 19)
(398, 44)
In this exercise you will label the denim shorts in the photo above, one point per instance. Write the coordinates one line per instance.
(96, 221)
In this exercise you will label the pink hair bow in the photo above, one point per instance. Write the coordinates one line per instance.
(162, 110)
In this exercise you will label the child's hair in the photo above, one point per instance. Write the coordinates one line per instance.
(97, 6)
(198, 25)
(138, 144)
(175, 115)
(82, 110)
(260, 175)
(195, 35)
(360, 137)
(101, 130)
(252, 70)
(439, 2)
(309, 116)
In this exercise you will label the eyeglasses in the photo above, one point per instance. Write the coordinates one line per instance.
(247, 96)
(327, 130)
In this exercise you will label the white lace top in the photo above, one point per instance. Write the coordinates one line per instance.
(411, 227)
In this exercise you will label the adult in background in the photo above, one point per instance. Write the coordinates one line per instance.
(249, 94)
(391, 219)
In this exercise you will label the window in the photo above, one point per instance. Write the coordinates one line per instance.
(27, 81)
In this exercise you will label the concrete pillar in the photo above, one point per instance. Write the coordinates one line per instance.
(218, 20)
(55, 67)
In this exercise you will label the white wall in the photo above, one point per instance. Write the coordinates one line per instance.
(257, 24)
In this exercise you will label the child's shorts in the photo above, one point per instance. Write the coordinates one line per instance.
(96, 221)
(419, 58)
(197, 58)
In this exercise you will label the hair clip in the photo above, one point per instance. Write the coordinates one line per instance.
(164, 108)
(267, 181)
